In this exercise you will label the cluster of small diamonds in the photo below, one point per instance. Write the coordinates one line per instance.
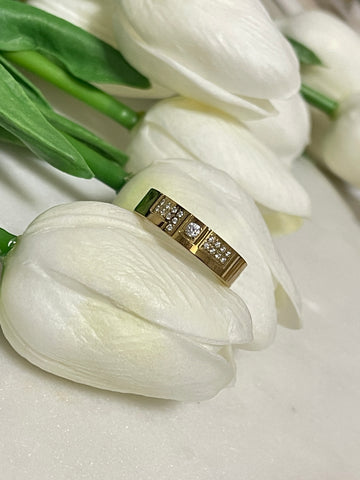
(171, 212)
(214, 246)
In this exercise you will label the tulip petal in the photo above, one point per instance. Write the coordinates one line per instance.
(218, 201)
(84, 339)
(341, 142)
(331, 40)
(180, 127)
(287, 133)
(121, 258)
(197, 50)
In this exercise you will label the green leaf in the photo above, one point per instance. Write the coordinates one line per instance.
(88, 58)
(8, 137)
(32, 92)
(60, 122)
(304, 54)
(20, 116)
(81, 133)
(7, 242)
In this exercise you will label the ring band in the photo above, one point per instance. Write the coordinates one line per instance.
(192, 234)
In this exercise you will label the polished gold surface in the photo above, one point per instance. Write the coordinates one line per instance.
(192, 234)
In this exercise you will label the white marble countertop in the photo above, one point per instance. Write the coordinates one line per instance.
(293, 413)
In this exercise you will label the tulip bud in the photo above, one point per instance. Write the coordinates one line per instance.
(98, 295)
(219, 202)
(336, 45)
(286, 134)
(339, 146)
(183, 128)
(335, 141)
(226, 54)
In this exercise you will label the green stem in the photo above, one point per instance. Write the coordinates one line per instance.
(105, 170)
(7, 242)
(45, 68)
(320, 101)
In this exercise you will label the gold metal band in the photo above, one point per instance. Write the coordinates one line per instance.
(192, 234)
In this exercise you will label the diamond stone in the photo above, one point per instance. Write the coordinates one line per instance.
(169, 227)
(174, 220)
(181, 213)
(174, 209)
(206, 245)
(212, 250)
(217, 255)
(217, 244)
(192, 230)
(211, 239)
(228, 253)
(168, 216)
(223, 260)
(222, 249)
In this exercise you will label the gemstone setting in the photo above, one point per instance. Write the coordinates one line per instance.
(192, 230)
(217, 248)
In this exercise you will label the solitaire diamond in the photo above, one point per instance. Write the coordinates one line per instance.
(192, 230)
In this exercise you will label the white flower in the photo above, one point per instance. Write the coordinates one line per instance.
(227, 54)
(98, 295)
(337, 143)
(182, 128)
(95, 16)
(218, 201)
(337, 46)
(286, 134)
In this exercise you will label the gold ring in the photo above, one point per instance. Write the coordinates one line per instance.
(192, 234)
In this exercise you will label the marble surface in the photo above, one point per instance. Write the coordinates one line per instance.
(293, 413)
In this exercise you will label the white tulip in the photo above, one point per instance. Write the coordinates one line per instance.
(227, 54)
(95, 16)
(335, 142)
(339, 144)
(337, 46)
(98, 295)
(182, 128)
(286, 134)
(218, 201)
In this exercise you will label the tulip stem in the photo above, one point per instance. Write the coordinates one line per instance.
(96, 98)
(320, 101)
(7, 242)
(104, 169)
